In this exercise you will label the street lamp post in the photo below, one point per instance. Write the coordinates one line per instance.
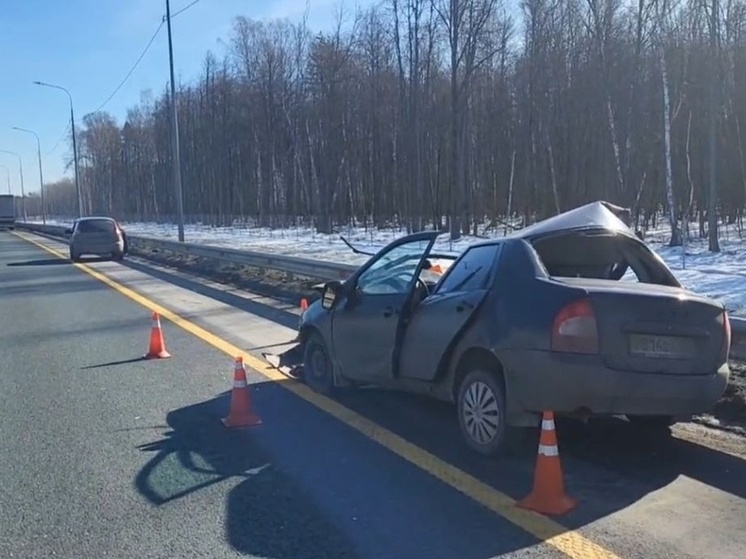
(75, 146)
(20, 169)
(41, 174)
(7, 174)
(175, 128)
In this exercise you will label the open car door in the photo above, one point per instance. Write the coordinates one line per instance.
(368, 322)
(437, 322)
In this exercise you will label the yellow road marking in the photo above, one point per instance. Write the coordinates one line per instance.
(569, 542)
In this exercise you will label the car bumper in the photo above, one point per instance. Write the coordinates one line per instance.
(540, 380)
(289, 362)
(98, 249)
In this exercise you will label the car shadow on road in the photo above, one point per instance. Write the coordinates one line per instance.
(267, 513)
(41, 262)
(607, 463)
(302, 485)
(646, 460)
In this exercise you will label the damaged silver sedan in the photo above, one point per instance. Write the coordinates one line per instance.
(573, 314)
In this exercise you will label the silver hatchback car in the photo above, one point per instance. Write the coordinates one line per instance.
(97, 236)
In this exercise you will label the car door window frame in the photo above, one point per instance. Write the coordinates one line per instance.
(404, 260)
(427, 239)
(442, 287)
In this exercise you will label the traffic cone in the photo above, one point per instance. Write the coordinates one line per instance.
(303, 304)
(157, 345)
(548, 495)
(241, 414)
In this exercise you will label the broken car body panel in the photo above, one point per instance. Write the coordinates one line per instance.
(596, 215)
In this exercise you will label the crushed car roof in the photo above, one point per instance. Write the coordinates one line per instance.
(596, 215)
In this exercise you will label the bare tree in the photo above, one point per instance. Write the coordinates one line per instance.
(420, 111)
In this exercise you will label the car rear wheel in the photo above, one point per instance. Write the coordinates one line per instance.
(318, 370)
(118, 256)
(482, 413)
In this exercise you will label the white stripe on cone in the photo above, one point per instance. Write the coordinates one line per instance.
(548, 450)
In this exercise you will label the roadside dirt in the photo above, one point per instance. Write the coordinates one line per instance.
(729, 414)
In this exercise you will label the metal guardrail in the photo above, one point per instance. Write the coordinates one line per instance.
(738, 338)
(293, 266)
(290, 265)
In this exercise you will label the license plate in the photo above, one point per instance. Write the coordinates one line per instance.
(665, 347)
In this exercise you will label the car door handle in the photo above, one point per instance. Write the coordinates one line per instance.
(388, 311)
(463, 305)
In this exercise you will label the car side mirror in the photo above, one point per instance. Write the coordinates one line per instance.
(332, 291)
(68, 232)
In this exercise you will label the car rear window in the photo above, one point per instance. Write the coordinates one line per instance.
(602, 255)
(96, 226)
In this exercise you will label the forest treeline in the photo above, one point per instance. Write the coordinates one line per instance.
(440, 112)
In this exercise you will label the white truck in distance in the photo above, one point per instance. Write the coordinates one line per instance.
(7, 211)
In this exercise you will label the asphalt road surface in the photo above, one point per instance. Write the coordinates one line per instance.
(107, 455)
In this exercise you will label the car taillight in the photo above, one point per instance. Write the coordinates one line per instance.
(574, 329)
(726, 333)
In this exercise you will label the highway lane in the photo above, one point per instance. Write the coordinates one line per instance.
(107, 455)
(682, 500)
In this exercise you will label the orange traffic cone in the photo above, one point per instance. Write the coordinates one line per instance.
(548, 495)
(303, 304)
(241, 414)
(157, 345)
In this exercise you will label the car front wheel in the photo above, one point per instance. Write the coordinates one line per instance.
(482, 413)
(318, 370)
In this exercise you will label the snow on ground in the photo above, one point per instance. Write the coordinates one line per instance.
(721, 276)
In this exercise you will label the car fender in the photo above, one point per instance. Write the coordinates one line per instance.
(470, 340)
(466, 348)
(317, 319)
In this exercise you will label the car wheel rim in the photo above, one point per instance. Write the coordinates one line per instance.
(481, 412)
(319, 362)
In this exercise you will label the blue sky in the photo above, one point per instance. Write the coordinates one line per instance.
(88, 46)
